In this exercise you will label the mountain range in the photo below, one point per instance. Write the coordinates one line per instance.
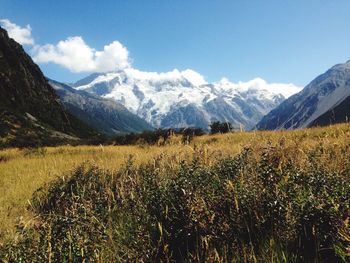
(324, 101)
(183, 98)
(105, 116)
(36, 110)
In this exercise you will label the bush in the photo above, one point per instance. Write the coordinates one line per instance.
(189, 133)
(159, 136)
(218, 127)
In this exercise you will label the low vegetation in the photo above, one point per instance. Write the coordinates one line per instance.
(236, 197)
(220, 127)
(158, 137)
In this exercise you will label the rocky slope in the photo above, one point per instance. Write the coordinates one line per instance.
(319, 97)
(30, 111)
(106, 116)
(337, 114)
(184, 98)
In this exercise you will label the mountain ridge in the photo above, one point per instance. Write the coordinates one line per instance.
(183, 98)
(30, 110)
(320, 95)
(105, 116)
(340, 113)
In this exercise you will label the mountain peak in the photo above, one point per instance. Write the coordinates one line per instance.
(319, 96)
(183, 98)
(106, 116)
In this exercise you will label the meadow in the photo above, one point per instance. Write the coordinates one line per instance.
(280, 196)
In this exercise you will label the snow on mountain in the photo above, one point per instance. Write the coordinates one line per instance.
(183, 98)
(105, 116)
(322, 94)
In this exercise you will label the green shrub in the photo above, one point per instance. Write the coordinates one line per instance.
(220, 127)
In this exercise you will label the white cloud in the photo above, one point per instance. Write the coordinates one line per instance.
(72, 53)
(75, 55)
(194, 77)
(286, 89)
(22, 35)
(171, 76)
(114, 56)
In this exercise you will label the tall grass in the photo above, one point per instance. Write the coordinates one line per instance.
(245, 197)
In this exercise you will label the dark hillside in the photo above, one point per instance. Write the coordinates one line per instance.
(30, 111)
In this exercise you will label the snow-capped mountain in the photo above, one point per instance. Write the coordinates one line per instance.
(321, 95)
(105, 116)
(184, 98)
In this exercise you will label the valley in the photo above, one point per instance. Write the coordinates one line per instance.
(166, 164)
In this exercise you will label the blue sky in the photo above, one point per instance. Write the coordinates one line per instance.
(279, 41)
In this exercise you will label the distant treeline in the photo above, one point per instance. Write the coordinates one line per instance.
(158, 136)
(161, 136)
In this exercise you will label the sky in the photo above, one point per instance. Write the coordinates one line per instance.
(289, 41)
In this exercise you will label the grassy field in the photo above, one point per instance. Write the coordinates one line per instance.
(24, 171)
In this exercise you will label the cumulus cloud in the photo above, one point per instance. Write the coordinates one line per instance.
(72, 53)
(22, 35)
(171, 76)
(285, 89)
(75, 55)
(194, 77)
(114, 56)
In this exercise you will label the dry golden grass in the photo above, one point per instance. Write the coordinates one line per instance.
(23, 172)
